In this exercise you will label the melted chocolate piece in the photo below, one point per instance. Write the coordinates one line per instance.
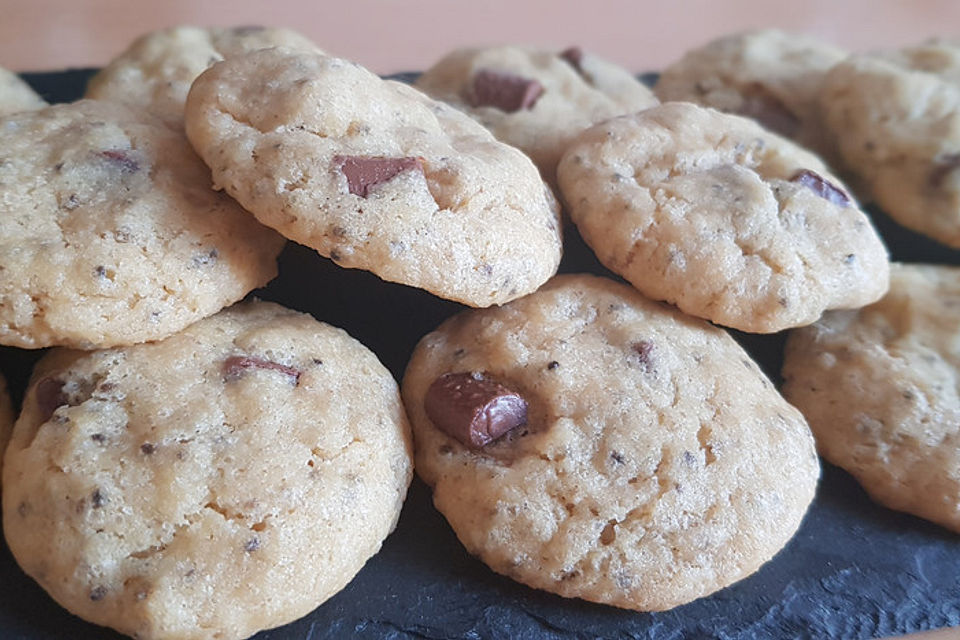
(235, 366)
(942, 167)
(573, 55)
(363, 172)
(122, 160)
(767, 109)
(820, 186)
(473, 408)
(505, 91)
(49, 394)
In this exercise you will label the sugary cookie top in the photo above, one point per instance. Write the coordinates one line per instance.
(722, 218)
(110, 233)
(654, 462)
(16, 95)
(881, 389)
(375, 175)
(567, 91)
(227, 479)
(156, 71)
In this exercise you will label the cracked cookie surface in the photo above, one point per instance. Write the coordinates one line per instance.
(578, 89)
(156, 71)
(16, 95)
(375, 175)
(225, 480)
(726, 220)
(110, 233)
(881, 389)
(657, 463)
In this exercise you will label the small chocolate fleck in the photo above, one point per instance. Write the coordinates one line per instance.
(473, 408)
(148, 448)
(766, 108)
(942, 167)
(505, 91)
(363, 172)
(335, 255)
(820, 186)
(58, 167)
(616, 456)
(573, 55)
(553, 365)
(206, 258)
(72, 202)
(49, 394)
(98, 437)
(252, 544)
(100, 271)
(98, 593)
(235, 367)
(98, 499)
(644, 349)
(317, 361)
(458, 353)
(23, 509)
(121, 159)
(689, 458)
(850, 258)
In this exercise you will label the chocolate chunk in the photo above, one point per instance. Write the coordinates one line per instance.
(767, 109)
(122, 160)
(821, 187)
(235, 366)
(505, 91)
(573, 55)
(363, 172)
(49, 394)
(473, 408)
(942, 167)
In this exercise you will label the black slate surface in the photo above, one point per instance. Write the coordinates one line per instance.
(854, 569)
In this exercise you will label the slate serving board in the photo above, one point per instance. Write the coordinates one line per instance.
(854, 569)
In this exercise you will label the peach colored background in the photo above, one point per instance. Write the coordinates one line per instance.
(396, 35)
(404, 35)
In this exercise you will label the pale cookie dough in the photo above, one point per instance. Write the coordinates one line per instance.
(225, 480)
(722, 218)
(769, 75)
(881, 389)
(6, 418)
(375, 175)
(156, 71)
(898, 130)
(16, 95)
(657, 464)
(110, 233)
(578, 89)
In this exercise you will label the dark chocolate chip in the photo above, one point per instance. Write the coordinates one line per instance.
(252, 544)
(505, 91)
(98, 593)
(473, 408)
(363, 172)
(121, 159)
(763, 106)
(553, 365)
(49, 394)
(98, 499)
(820, 186)
(942, 167)
(99, 438)
(148, 448)
(235, 367)
(573, 55)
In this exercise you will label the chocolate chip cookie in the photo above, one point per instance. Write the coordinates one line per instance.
(110, 233)
(533, 99)
(227, 479)
(896, 119)
(768, 75)
(16, 95)
(590, 442)
(375, 175)
(717, 215)
(881, 389)
(156, 71)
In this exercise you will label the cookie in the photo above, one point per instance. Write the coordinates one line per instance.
(881, 389)
(156, 71)
(726, 220)
(634, 456)
(768, 75)
(110, 233)
(533, 99)
(898, 130)
(16, 95)
(6, 418)
(375, 175)
(225, 480)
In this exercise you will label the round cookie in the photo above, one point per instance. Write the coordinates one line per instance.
(110, 233)
(225, 480)
(6, 418)
(375, 175)
(898, 131)
(156, 71)
(565, 93)
(769, 75)
(16, 95)
(728, 221)
(881, 389)
(657, 463)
